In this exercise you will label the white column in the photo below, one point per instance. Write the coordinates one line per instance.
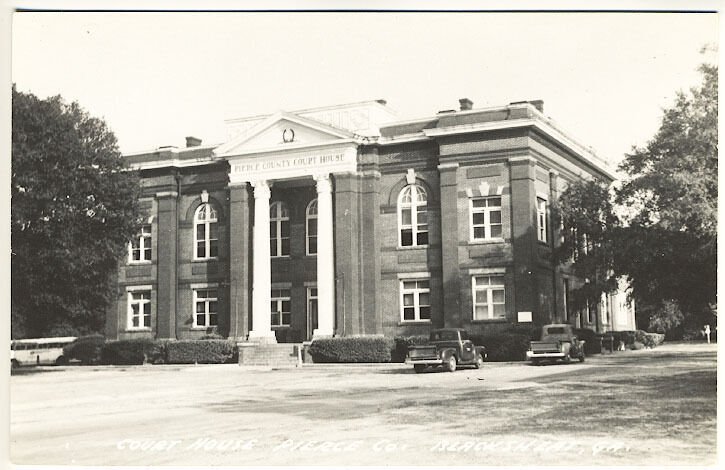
(325, 259)
(262, 269)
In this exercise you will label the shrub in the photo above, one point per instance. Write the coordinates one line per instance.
(636, 346)
(506, 346)
(208, 351)
(651, 340)
(86, 349)
(131, 351)
(352, 349)
(402, 343)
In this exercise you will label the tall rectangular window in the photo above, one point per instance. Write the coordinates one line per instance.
(139, 309)
(279, 229)
(280, 307)
(486, 218)
(205, 308)
(415, 300)
(140, 246)
(489, 298)
(541, 218)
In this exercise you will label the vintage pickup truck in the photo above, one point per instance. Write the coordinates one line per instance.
(447, 347)
(558, 341)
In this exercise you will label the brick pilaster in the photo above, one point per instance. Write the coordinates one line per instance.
(240, 289)
(449, 244)
(523, 229)
(167, 264)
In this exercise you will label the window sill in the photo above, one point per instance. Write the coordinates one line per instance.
(414, 322)
(139, 263)
(487, 241)
(138, 330)
(280, 257)
(204, 260)
(202, 328)
(490, 320)
(281, 327)
(415, 247)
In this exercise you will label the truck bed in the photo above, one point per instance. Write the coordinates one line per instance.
(544, 347)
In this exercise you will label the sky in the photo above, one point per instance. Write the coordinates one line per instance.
(158, 77)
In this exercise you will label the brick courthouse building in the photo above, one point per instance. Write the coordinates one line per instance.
(342, 221)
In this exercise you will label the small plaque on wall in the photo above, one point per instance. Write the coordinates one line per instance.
(524, 317)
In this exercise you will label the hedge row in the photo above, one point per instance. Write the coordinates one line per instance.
(202, 352)
(95, 350)
(352, 349)
(134, 352)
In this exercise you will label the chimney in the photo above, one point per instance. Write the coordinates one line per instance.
(193, 141)
(381, 101)
(466, 104)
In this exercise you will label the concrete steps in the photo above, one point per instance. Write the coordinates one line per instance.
(271, 355)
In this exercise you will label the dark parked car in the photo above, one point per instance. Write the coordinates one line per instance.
(558, 342)
(448, 347)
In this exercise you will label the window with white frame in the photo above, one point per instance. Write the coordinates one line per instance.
(280, 307)
(205, 308)
(139, 250)
(489, 297)
(311, 225)
(206, 232)
(139, 309)
(413, 216)
(415, 299)
(486, 218)
(541, 218)
(279, 229)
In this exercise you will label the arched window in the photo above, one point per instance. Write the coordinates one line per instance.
(206, 232)
(413, 216)
(311, 224)
(279, 229)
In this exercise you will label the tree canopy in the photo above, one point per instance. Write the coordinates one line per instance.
(659, 227)
(74, 209)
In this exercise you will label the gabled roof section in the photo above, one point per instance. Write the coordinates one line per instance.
(283, 129)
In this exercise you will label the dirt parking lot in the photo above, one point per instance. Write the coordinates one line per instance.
(628, 408)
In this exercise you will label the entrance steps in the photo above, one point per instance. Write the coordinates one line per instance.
(270, 355)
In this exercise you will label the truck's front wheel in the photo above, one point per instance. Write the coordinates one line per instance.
(479, 361)
(418, 368)
(451, 364)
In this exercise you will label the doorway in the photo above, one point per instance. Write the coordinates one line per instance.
(311, 311)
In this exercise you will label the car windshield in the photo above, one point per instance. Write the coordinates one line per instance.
(557, 330)
(444, 336)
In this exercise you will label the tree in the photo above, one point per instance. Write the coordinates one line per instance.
(672, 190)
(74, 208)
(586, 212)
(659, 228)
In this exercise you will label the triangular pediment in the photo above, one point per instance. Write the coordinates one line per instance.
(282, 131)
